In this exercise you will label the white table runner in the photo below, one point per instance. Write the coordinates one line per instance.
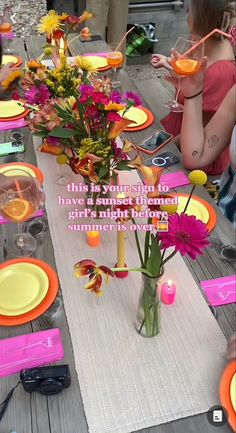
(129, 382)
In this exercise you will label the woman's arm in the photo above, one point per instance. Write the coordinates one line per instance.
(199, 146)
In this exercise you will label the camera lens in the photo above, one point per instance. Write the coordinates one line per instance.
(229, 253)
(16, 143)
(50, 387)
(17, 135)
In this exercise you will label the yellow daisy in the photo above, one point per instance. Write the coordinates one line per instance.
(113, 106)
(85, 64)
(49, 23)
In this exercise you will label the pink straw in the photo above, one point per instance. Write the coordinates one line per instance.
(227, 35)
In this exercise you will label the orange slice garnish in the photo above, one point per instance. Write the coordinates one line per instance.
(187, 65)
(17, 209)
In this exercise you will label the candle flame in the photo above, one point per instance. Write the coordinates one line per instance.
(93, 234)
(62, 44)
(121, 195)
(169, 283)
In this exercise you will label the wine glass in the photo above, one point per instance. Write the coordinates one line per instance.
(21, 196)
(186, 59)
(115, 59)
(6, 31)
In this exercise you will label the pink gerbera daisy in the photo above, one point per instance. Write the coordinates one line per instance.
(188, 235)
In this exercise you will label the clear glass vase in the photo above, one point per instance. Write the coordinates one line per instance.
(148, 320)
(93, 196)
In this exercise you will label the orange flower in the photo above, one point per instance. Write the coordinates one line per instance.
(34, 64)
(112, 106)
(152, 174)
(118, 127)
(10, 79)
(84, 167)
(49, 148)
(85, 16)
(94, 272)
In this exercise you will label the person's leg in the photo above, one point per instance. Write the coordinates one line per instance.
(99, 8)
(117, 20)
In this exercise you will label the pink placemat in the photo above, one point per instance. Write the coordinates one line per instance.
(96, 54)
(220, 291)
(20, 123)
(40, 213)
(173, 180)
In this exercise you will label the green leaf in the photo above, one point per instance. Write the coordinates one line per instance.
(123, 165)
(154, 261)
(62, 133)
(103, 171)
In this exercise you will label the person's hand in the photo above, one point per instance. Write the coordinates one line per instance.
(192, 84)
(160, 61)
(5, 71)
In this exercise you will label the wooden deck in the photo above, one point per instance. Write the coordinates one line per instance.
(64, 413)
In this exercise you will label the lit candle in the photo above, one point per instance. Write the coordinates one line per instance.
(168, 292)
(120, 242)
(93, 239)
(61, 48)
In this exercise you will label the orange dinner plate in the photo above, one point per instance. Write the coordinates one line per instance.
(24, 165)
(225, 393)
(45, 303)
(17, 117)
(212, 214)
(149, 121)
(10, 58)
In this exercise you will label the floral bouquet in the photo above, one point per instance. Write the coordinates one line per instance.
(185, 234)
(57, 27)
(85, 129)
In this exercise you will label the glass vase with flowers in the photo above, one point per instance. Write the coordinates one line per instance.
(185, 235)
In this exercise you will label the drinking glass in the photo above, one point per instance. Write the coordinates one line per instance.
(186, 59)
(21, 196)
(115, 59)
(6, 31)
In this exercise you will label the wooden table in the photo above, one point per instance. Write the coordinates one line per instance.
(64, 413)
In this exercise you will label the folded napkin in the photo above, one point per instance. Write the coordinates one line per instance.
(20, 123)
(40, 213)
(220, 291)
(173, 180)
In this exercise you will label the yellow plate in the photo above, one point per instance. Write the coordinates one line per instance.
(194, 208)
(17, 171)
(22, 287)
(9, 59)
(137, 115)
(233, 391)
(97, 61)
(10, 109)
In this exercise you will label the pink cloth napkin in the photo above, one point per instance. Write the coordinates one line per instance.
(96, 54)
(173, 180)
(220, 291)
(37, 214)
(20, 123)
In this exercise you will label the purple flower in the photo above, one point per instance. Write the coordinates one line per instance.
(86, 90)
(38, 95)
(115, 97)
(53, 141)
(133, 98)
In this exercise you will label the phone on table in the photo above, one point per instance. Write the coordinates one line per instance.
(155, 142)
(16, 146)
(163, 160)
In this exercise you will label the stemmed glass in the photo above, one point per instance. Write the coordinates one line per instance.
(186, 59)
(21, 196)
(115, 59)
(6, 31)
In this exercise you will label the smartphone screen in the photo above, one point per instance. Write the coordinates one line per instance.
(153, 143)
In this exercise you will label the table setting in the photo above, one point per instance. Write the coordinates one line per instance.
(129, 244)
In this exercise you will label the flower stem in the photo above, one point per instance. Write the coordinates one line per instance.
(147, 241)
(138, 245)
(190, 195)
(168, 258)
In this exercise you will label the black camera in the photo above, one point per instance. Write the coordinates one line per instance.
(46, 380)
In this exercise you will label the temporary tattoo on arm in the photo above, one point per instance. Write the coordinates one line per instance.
(212, 141)
(194, 153)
